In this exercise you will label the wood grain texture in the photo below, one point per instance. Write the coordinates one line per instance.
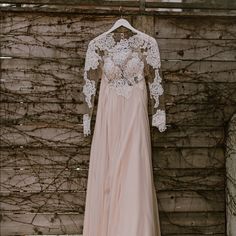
(44, 156)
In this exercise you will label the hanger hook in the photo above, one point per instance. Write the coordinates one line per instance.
(120, 12)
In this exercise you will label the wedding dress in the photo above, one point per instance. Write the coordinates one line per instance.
(121, 198)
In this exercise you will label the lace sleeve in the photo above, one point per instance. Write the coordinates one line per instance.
(91, 76)
(155, 85)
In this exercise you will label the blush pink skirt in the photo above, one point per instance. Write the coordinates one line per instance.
(121, 198)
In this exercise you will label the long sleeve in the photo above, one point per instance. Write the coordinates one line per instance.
(91, 77)
(155, 85)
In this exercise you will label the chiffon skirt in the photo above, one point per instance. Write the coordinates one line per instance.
(121, 198)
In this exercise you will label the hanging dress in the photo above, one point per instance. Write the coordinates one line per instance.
(121, 198)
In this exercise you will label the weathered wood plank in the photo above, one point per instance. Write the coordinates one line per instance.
(191, 201)
(189, 4)
(194, 27)
(200, 223)
(190, 158)
(197, 49)
(189, 179)
(163, 158)
(43, 202)
(70, 47)
(43, 46)
(71, 113)
(165, 27)
(44, 113)
(72, 136)
(44, 179)
(179, 234)
(199, 114)
(175, 92)
(39, 224)
(230, 165)
(211, 93)
(87, 26)
(195, 223)
(199, 71)
(132, 7)
(64, 202)
(188, 137)
(128, 11)
(50, 157)
(61, 67)
(56, 72)
(43, 134)
(30, 88)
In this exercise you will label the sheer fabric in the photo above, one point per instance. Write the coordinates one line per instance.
(124, 64)
(121, 197)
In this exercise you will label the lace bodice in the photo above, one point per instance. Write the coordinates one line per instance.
(123, 65)
(123, 70)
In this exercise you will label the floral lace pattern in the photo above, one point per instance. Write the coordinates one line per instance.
(123, 74)
(159, 120)
(89, 89)
(156, 88)
(86, 124)
(123, 68)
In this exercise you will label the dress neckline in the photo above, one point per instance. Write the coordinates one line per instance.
(122, 40)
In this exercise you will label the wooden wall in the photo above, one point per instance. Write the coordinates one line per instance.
(42, 145)
(230, 189)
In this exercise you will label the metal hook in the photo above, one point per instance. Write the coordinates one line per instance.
(120, 12)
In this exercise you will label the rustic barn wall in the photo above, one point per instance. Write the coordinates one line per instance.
(231, 178)
(44, 156)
